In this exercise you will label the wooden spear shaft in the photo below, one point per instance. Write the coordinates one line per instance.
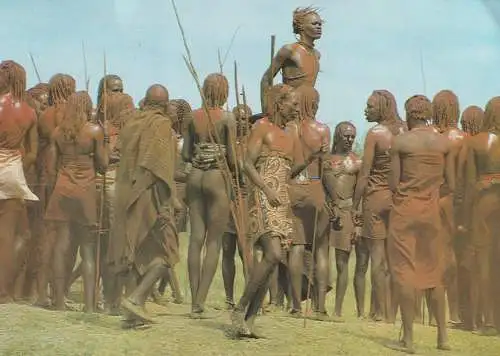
(222, 162)
(85, 67)
(103, 192)
(35, 67)
(236, 87)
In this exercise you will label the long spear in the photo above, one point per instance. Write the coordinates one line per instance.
(103, 189)
(246, 250)
(36, 69)
(244, 97)
(422, 71)
(236, 87)
(189, 63)
(87, 81)
(265, 90)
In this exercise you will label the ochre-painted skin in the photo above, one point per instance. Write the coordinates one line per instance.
(268, 140)
(265, 138)
(26, 282)
(341, 174)
(230, 240)
(47, 123)
(373, 187)
(468, 286)
(308, 196)
(75, 165)
(419, 160)
(447, 206)
(482, 205)
(299, 62)
(207, 196)
(17, 125)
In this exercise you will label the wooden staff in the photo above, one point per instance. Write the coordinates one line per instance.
(236, 87)
(35, 67)
(222, 162)
(247, 253)
(273, 44)
(259, 116)
(313, 251)
(103, 195)
(219, 58)
(244, 97)
(87, 81)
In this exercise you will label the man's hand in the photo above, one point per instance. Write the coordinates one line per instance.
(272, 197)
(356, 235)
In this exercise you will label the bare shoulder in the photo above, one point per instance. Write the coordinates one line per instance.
(474, 141)
(322, 127)
(399, 141)
(229, 118)
(286, 50)
(94, 129)
(263, 123)
(378, 130)
(317, 53)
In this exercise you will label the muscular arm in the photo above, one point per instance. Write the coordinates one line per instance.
(101, 154)
(366, 166)
(298, 156)
(255, 144)
(53, 161)
(451, 165)
(277, 63)
(329, 178)
(450, 168)
(187, 146)
(470, 181)
(32, 137)
(461, 172)
(395, 174)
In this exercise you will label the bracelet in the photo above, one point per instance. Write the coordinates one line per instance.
(106, 139)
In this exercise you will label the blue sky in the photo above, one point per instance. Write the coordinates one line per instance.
(366, 45)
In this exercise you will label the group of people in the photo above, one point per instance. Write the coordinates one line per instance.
(118, 183)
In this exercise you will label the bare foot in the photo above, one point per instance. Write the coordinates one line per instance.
(136, 310)
(402, 347)
(443, 346)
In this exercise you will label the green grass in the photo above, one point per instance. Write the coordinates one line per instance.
(27, 330)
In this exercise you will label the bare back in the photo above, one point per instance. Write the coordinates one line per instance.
(16, 119)
(78, 160)
(47, 123)
(485, 148)
(208, 136)
(422, 154)
(379, 138)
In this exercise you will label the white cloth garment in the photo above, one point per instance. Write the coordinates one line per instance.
(12, 180)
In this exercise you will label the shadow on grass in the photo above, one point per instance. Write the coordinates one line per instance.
(100, 320)
(383, 341)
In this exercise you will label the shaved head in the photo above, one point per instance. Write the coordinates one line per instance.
(156, 97)
(156, 92)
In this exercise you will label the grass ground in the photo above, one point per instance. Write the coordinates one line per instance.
(27, 330)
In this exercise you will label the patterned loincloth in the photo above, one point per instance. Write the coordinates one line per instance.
(12, 180)
(208, 156)
(264, 219)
